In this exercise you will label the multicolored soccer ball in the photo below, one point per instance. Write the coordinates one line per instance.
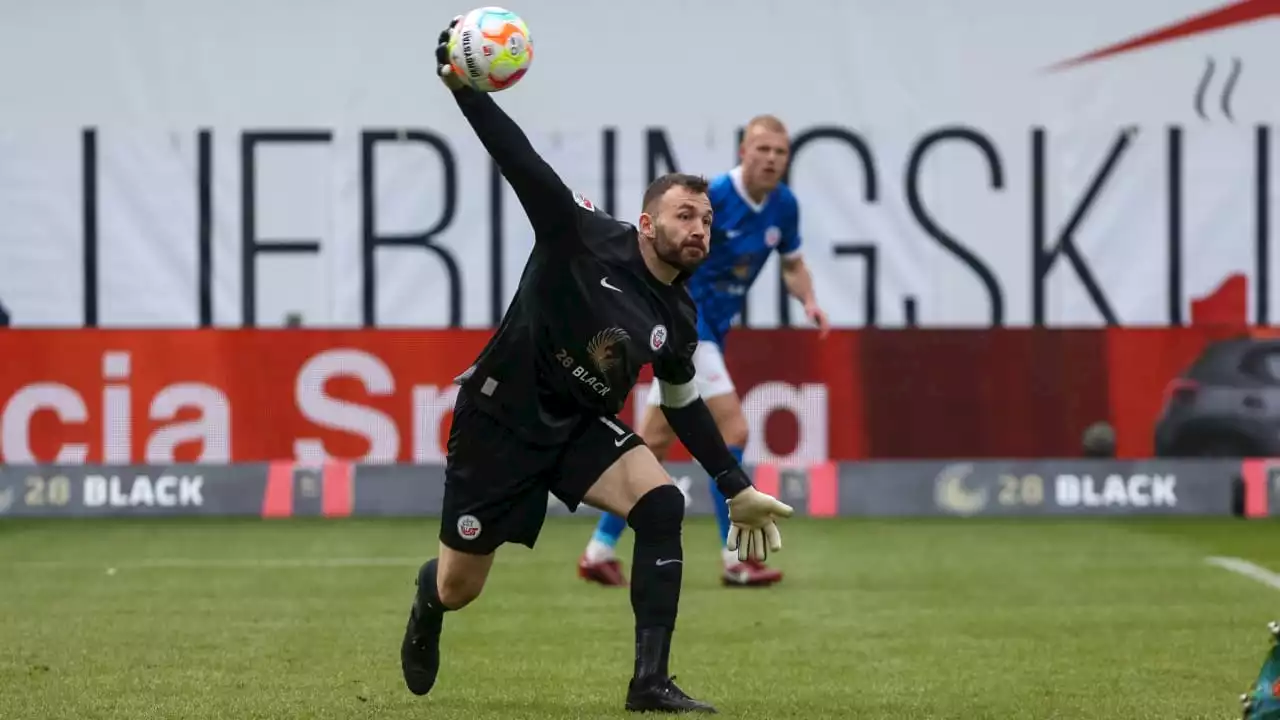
(490, 49)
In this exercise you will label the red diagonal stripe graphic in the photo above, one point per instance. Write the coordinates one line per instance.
(1238, 13)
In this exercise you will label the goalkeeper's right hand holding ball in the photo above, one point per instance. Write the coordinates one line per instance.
(444, 68)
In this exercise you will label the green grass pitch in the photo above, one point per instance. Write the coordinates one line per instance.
(893, 619)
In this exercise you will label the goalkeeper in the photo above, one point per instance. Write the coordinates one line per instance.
(537, 411)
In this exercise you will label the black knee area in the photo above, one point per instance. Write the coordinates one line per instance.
(661, 510)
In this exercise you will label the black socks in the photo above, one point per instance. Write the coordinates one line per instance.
(656, 574)
(428, 591)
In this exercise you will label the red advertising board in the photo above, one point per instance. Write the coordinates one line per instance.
(381, 396)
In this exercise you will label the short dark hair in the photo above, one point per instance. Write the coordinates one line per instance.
(659, 187)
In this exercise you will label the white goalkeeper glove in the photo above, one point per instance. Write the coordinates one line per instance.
(753, 533)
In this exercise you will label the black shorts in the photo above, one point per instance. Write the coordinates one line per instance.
(496, 485)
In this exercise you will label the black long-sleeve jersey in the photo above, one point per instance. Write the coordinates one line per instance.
(587, 315)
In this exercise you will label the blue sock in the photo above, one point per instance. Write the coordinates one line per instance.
(717, 499)
(610, 529)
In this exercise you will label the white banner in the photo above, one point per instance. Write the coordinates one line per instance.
(192, 163)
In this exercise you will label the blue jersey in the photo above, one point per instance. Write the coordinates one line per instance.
(743, 234)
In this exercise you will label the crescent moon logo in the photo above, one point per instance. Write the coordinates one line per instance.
(951, 494)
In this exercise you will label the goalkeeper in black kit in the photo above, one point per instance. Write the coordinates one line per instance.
(537, 411)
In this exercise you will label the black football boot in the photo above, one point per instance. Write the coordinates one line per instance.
(652, 689)
(420, 649)
(659, 694)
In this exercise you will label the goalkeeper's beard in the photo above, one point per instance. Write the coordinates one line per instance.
(673, 252)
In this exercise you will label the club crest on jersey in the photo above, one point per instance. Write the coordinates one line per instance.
(772, 236)
(658, 337)
(584, 202)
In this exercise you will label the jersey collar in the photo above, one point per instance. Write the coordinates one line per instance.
(740, 187)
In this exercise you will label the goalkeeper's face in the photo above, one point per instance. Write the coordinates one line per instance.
(682, 228)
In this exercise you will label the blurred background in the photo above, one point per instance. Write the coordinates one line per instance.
(1024, 221)
(245, 247)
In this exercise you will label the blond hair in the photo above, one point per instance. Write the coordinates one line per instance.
(768, 122)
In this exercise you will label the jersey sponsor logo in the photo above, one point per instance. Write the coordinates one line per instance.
(602, 353)
(772, 236)
(469, 527)
(604, 283)
(601, 349)
(732, 289)
(584, 202)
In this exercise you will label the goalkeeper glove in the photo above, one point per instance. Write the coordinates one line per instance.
(443, 67)
(753, 532)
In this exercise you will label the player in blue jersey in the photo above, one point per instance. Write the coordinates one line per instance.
(755, 215)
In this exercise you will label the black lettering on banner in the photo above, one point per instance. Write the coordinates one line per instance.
(89, 218)
(870, 262)
(949, 243)
(252, 244)
(870, 193)
(657, 149)
(1041, 259)
(1175, 226)
(371, 240)
(4, 315)
(496, 285)
(609, 154)
(204, 225)
(1262, 222)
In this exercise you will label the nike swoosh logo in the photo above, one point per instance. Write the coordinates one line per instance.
(619, 441)
(604, 282)
(660, 563)
(731, 234)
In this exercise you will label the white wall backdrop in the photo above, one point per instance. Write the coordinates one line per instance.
(155, 157)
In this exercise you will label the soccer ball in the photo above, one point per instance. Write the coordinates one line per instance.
(490, 49)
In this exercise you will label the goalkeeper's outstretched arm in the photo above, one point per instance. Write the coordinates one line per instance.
(546, 199)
